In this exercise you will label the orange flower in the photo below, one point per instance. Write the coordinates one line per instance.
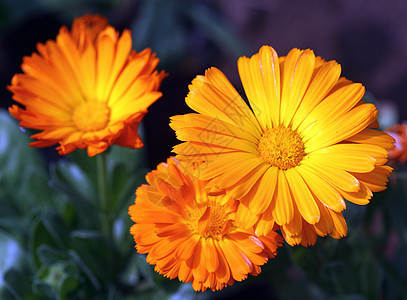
(192, 235)
(399, 133)
(87, 89)
(301, 149)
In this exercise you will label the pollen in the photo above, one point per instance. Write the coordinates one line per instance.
(281, 147)
(209, 220)
(91, 116)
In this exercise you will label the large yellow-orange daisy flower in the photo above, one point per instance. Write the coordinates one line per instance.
(302, 148)
(192, 235)
(87, 89)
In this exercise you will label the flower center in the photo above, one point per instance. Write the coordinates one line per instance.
(209, 220)
(91, 116)
(281, 147)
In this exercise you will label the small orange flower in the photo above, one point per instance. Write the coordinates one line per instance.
(192, 235)
(399, 133)
(87, 89)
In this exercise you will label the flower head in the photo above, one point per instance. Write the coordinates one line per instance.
(302, 148)
(191, 234)
(399, 133)
(87, 89)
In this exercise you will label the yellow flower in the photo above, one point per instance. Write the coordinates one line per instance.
(192, 235)
(301, 149)
(87, 89)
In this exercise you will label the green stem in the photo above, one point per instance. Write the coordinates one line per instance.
(103, 193)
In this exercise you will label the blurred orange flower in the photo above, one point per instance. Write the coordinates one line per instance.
(399, 133)
(191, 234)
(302, 148)
(87, 89)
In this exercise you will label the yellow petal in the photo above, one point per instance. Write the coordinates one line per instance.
(322, 82)
(373, 137)
(261, 199)
(335, 177)
(282, 205)
(344, 127)
(296, 75)
(359, 158)
(322, 190)
(303, 197)
(244, 217)
(333, 106)
(260, 77)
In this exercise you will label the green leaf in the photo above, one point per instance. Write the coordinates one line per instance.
(17, 285)
(42, 290)
(48, 229)
(49, 255)
(67, 285)
(96, 253)
(84, 208)
(74, 178)
(21, 194)
(85, 269)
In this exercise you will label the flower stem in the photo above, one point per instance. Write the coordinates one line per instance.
(103, 193)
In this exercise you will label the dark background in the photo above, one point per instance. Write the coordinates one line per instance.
(368, 38)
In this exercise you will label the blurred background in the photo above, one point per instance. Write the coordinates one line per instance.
(369, 40)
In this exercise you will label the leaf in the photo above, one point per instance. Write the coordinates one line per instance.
(86, 270)
(67, 285)
(20, 166)
(84, 207)
(96, 253)
(48, 229)
(49, 255)
(73, 177)
(17, 285)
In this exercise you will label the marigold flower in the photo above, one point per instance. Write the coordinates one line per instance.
(192, 235)
(399, 133)
(87, 89)
(301, 149)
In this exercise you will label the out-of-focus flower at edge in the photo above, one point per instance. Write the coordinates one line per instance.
(399, 133)
(192, 235)
(87, 89)
(303, 148)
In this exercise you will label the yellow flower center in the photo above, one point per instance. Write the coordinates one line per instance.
(209, 220)
(91, 116)
(281, 147)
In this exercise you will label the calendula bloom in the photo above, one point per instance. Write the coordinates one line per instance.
(192, 235)
(302, 148)
(87, 89)
(399, 133)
